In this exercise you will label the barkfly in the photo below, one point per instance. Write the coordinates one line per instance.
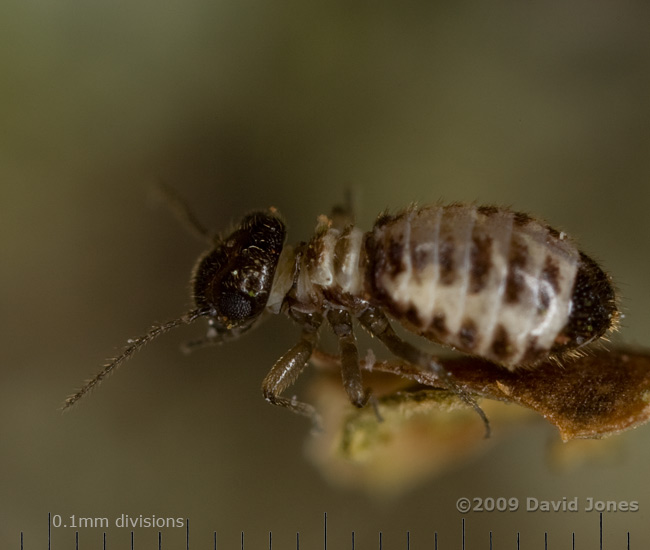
(487, 281)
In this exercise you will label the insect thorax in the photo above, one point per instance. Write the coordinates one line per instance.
(328, 271)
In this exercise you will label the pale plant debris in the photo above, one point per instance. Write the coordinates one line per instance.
(599, 394)
(427, 430)
(423, 432)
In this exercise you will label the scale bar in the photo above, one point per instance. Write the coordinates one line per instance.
(325, 533)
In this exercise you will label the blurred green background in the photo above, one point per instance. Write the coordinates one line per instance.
(541, 105)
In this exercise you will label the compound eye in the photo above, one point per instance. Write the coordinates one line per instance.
(234, 306)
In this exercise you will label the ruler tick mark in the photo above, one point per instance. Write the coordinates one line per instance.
(601, 531)
(463, 529)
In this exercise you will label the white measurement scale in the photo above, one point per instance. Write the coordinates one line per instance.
(101, 541)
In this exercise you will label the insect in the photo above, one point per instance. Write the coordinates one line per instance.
(487, 281)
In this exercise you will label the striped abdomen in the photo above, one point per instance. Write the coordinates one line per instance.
(488, 281)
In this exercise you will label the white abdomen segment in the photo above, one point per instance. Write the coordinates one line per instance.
(485, 280)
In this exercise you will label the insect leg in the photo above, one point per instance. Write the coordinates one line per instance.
(286, 371)
(213, 338)
(377, 324)
(192, 345)
(342, 326)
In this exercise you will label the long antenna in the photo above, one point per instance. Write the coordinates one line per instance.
(134, 345)
(183, 213)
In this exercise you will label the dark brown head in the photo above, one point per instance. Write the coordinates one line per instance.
(233, 281)
(593, 307)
